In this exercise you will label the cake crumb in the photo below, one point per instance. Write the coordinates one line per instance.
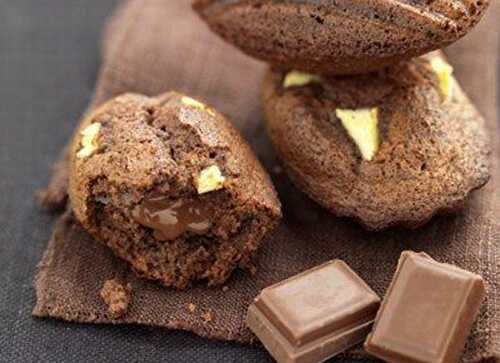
(116, 296)
(225, 289)
(208, 316)
(191, 307)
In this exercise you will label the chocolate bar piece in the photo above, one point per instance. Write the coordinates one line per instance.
(427, 312)
(314, 315)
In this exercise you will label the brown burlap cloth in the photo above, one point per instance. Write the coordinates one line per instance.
(151, 46)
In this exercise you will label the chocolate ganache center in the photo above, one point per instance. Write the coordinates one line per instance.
(170, 219)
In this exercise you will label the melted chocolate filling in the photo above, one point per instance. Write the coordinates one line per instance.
(170, 219)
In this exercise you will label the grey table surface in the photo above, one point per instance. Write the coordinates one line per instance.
(49, 58)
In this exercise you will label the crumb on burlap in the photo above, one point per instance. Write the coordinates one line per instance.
(116, 296)
(225, 289)
(208, 316)
(192, 308)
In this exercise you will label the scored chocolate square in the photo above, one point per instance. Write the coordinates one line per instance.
(314, 315)
(427, 312)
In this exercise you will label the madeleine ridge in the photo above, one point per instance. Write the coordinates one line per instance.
(339, 37)
(171, 187)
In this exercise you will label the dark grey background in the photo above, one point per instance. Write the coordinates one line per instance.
(49, 57)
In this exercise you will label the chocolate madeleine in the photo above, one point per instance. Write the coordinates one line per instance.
(171, 187)
(342, 36)
(393, 147)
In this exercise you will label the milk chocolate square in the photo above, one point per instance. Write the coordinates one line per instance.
(314, 315)
(427, 312)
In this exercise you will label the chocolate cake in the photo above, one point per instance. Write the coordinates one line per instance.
(387, 148)
(171, 187)
(342, 36)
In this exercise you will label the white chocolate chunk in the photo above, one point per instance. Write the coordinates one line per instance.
(298, 79)
(362, 127)
(188, 101)
(85, 152)
(444, 73)
(209, 180)
(191, 102)
(91, 130)
(89, 140)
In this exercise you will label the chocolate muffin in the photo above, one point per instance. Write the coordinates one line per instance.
(339, 37)
(171, 187)
(393, 147)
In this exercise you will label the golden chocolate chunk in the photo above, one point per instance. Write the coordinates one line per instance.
(188, 101)
(444, 73)
(299, 79)
(89, 140)
(362, 127)
(209, 180)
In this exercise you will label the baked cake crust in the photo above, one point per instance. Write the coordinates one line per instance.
(135, 184)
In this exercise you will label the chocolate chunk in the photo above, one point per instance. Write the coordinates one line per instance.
(170, 219)
(314, 315)
(427, 312)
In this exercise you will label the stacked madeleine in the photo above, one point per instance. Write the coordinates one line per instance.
(366, 118)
